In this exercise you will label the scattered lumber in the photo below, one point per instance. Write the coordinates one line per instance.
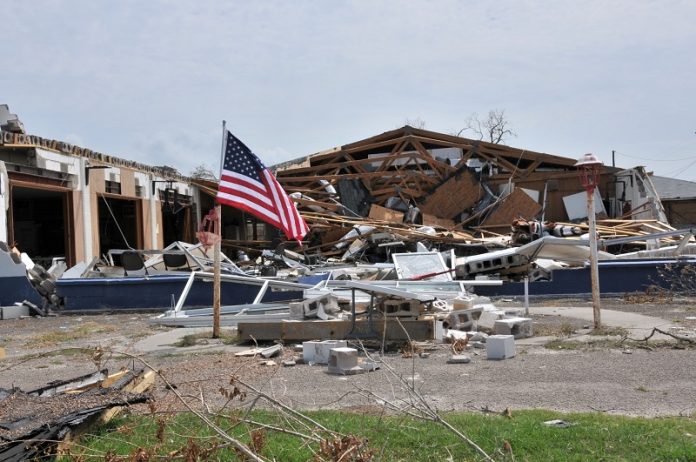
(45, 421)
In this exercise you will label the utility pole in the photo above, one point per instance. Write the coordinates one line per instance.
(589, 168)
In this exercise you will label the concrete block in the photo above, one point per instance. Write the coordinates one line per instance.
(401, 308)
(500, 347)
(296, 310)
(463, 319)
(477, 336)
(343, 361)
(314, 352)
(14, 312)
(323, 307)
(439, 331)
(459, 359)
(489, 317)
(517, 327)
(459, 304)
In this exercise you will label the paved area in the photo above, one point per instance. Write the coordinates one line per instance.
(638, 325)
(166, 342)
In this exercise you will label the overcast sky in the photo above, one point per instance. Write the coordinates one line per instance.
(152, 80)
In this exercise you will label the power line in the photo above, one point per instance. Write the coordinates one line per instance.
(654, 160)
(681, 170)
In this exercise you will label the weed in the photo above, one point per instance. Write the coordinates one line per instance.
(558, 344)
(610, 331)
(82, 331)
(201, 338)
(643, 389)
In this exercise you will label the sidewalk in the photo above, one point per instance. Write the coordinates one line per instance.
(638, 325)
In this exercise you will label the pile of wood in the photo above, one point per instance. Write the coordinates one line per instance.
(45, 421)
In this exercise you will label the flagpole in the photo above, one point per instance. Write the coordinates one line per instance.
(218, 246)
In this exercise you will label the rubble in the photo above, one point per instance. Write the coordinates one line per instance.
(40, 422)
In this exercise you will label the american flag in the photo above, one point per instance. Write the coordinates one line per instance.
(245, 183)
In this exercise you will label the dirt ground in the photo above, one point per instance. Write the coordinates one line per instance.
(584, 373)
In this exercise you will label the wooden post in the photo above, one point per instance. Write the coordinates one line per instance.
(594, 270)
(218, 244)
(216, 272)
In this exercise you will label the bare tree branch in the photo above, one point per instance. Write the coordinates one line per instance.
(495, 128)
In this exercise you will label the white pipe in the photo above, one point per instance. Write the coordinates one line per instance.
(153, 213)
(526, 295)
(4, 201)
(184, 293)
(262, 292)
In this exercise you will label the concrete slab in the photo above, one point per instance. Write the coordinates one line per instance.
(164, 342)
(638, 325)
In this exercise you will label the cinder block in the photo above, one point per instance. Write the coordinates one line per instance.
(401, 308)
(489, 317)
(318, 352)
(463, 319)
(323, 307)
(517, 327)
(500, 347)
(459, 359)
(14, 312)
(344, 361)
(296, 310)
(459, 304)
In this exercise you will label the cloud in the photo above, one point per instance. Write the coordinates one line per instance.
(154, 79)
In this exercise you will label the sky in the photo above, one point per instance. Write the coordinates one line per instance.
(152, 80)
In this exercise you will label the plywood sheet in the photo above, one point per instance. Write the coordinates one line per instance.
(377, 212)
(432, 220)
(454, 196)
(127, 182)
(517, 204)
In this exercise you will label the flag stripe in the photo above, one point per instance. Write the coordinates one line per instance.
(254, 201)
(250, 192)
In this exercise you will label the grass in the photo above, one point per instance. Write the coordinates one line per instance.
(564, 329)
(610, 331)
(82, 331)
(396, 438)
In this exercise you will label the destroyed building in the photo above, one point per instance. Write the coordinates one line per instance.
(410, 179)
(451, 183)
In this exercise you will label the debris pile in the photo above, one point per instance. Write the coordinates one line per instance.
(43, 421)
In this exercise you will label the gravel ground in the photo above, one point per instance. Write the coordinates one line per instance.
(600, 377)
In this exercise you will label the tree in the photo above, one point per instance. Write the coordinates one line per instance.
(416, 123)
(203, 172)
(495, 128)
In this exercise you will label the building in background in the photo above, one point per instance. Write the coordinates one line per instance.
(66, 201)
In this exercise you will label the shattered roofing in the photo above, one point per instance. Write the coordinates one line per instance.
(672, 188)
(430, 140)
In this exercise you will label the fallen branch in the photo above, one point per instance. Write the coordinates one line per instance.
(657, 330)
